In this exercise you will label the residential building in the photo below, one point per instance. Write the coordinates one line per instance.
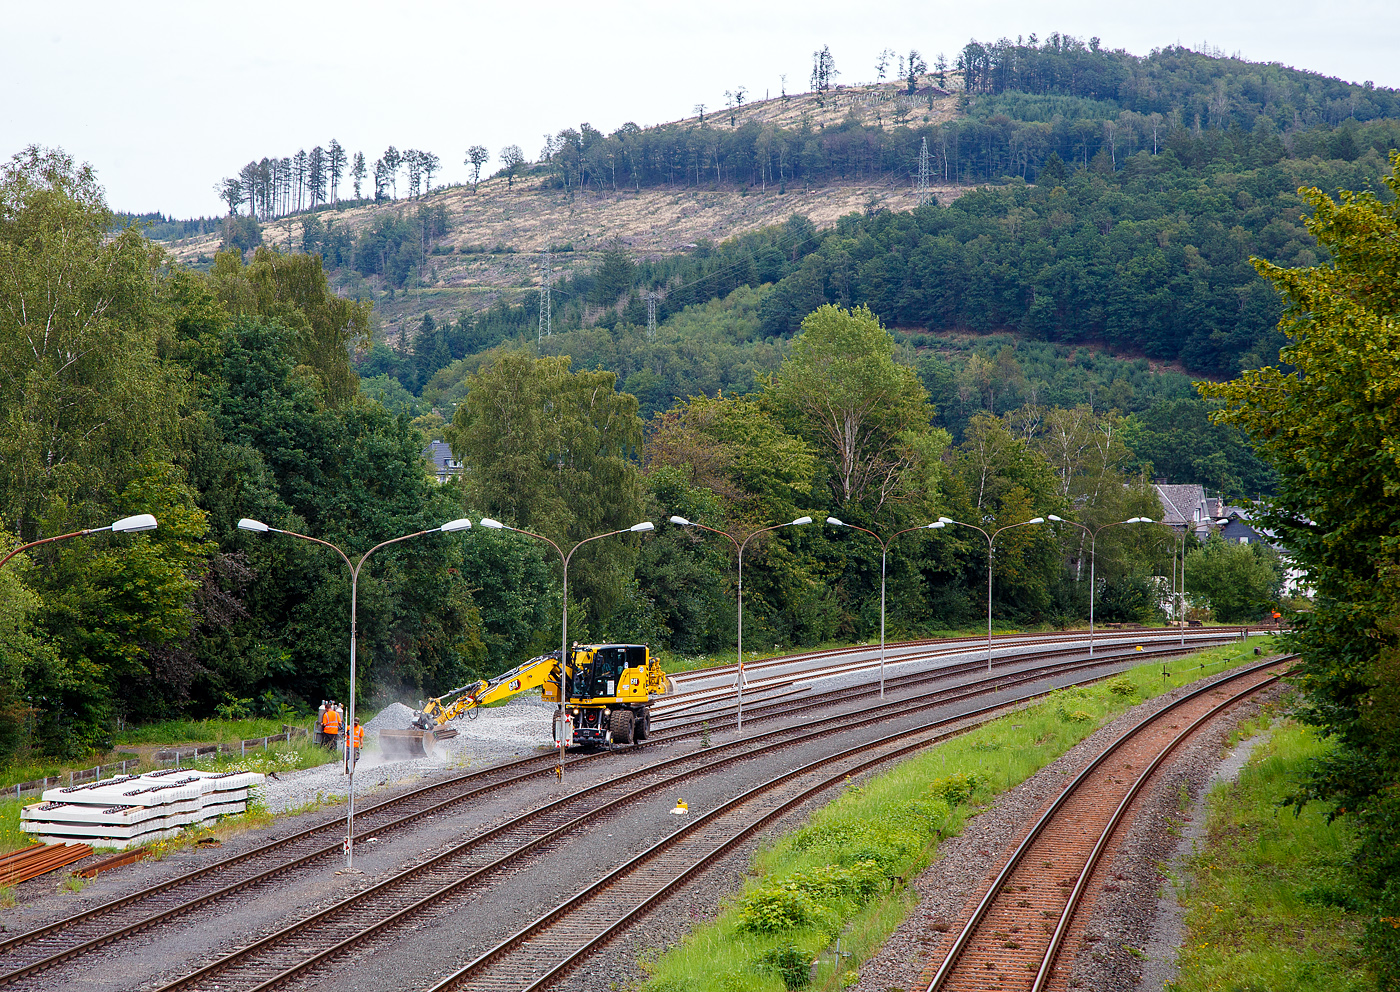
(438, 455)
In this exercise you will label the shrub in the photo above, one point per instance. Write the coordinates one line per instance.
(789, 963)
(1122, 686)
(955, 790)
(773, 909)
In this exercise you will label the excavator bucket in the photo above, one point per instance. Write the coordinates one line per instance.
(400, 744)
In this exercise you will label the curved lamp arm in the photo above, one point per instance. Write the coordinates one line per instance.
(126, 525)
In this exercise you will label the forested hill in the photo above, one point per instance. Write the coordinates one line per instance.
(1083, 197)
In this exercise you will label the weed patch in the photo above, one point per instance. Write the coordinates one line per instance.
(1265, 904)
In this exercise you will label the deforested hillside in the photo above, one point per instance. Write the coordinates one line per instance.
(1116, 201)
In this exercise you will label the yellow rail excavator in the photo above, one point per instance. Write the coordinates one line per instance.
(610, 689)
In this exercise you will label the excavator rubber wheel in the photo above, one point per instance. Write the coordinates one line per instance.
(641, 727)
(622, 726)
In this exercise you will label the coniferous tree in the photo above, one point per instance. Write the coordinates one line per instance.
(430, 163)
(298, 178)
(381, 178)
(413, 158)
(316, 176)
(335, 166)
(914, 68)
(248, 176)
(285, 169)
(392, 161)
(357, 172)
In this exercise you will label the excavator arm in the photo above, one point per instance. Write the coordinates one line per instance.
(531, 675)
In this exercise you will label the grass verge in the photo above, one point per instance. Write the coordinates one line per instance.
(1260, 910)
(842, 875)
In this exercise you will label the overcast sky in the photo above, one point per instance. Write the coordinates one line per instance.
(164, 99)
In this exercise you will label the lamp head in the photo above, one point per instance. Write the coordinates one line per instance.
(490, 524)
(1058, 520)
(936, 525)
(1223, 521)
(946, 520)
(1036, 520)
(800, 521)
(682, 522)
(131, 525)
(834, 522)
(1141, 520)
(256, 526)
(645, 525)
(452, 526)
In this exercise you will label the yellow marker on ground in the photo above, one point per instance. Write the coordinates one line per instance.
(681, 808)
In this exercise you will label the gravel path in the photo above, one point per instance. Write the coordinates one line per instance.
(1123, 917)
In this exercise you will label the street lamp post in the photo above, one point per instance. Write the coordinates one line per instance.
(991, 540)
(884, 552)
(740, 546)
(258, 527)
(126, 525)
(1093, 538)
(640, 528)
(1181, 596)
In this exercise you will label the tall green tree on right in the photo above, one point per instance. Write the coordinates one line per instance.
(1331, 428)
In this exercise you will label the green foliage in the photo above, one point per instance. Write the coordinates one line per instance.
(834, 874)
(956, 789)
(395, 247)
(550, 450)
(1121, 686)
(789, 963)
(777, 908)
(292, 290)
(1328, 429)
(241, 234)
(1241, 582)
(844, 392)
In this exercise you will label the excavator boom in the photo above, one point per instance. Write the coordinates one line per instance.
(531, 675)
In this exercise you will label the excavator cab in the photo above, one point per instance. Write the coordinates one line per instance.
(610, 689)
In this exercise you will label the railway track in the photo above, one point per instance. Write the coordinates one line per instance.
(45, 947)
(781, 704)
(540, 955)
(315, 942)
(1008, 941)
(905, 652)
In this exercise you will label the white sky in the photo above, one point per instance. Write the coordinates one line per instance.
(164, 99)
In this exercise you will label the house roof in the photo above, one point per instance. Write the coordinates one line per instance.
(1179, 503)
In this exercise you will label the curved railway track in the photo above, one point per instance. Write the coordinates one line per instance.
(905, 652)
(45, 947)
(1008, 941)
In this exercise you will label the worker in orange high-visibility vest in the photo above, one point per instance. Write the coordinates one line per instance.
(330, 726)
(359, 737)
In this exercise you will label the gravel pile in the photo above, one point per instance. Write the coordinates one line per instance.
(521, 727)
(395, 716)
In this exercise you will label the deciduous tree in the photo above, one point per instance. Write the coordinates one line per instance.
(512, 158)
(477, 156)
(844, 391)
(1328, 423)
